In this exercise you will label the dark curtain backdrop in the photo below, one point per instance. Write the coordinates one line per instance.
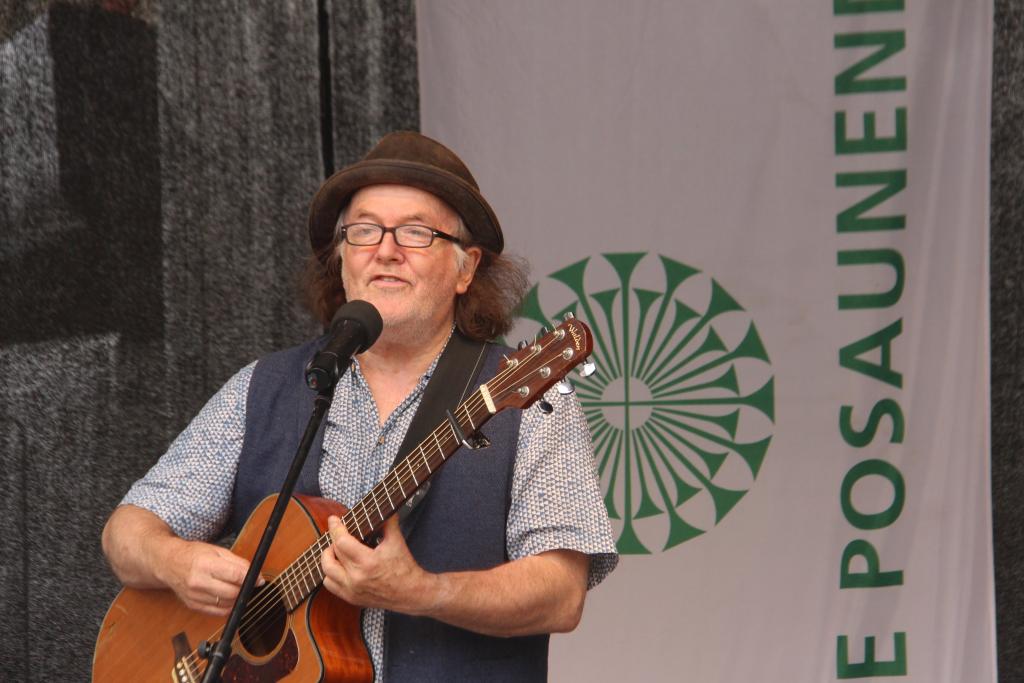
(1007, 307)
(156, 163)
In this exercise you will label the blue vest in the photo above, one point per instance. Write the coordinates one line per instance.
(459, 525)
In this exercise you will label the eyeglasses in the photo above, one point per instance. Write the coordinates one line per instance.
(414, 236)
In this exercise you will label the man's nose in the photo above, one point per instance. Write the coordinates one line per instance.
(388, 247)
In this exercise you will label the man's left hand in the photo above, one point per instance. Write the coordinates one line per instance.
(540, 593)
(386, 576)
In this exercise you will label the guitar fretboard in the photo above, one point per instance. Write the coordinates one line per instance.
(365, 518)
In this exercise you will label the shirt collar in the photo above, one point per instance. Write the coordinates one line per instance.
(356, 385)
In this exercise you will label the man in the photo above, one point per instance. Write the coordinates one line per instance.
(501, 550)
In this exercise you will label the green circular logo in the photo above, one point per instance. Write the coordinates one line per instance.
(681, 407)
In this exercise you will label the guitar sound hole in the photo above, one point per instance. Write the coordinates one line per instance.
(265, 621)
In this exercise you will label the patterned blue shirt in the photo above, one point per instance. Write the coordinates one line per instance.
(556, 500)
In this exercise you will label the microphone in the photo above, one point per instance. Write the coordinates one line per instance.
(354, 328)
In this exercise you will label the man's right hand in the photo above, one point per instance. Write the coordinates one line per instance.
(145, 553)
(205, 577)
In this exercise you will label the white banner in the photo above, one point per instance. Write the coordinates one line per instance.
(775, 217)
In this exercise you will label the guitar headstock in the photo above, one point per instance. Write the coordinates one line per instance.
(525, 375)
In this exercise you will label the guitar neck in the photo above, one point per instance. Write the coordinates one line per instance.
(366, 517)
(521, 380)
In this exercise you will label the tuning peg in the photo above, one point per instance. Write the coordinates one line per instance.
(522, 345)
(545, 407)
(569, 315)
(588, 368)
(565, 387)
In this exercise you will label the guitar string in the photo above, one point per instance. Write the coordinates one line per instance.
(287, 583)
(311, 559)
(476, 401)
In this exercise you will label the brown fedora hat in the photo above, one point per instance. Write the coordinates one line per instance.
(407, 158)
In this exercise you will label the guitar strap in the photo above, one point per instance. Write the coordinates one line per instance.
(453, 377)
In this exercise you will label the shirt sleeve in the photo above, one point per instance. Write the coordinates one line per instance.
(556, 498)
(190, 487)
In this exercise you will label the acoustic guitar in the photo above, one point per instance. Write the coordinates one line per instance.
(291, 630)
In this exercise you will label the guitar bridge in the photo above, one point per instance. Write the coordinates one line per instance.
(184, 668)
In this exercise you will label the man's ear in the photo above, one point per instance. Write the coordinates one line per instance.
(465, 277)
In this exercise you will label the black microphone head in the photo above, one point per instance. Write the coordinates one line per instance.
(363, 314)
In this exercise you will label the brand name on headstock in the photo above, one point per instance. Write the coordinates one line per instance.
(577, 338)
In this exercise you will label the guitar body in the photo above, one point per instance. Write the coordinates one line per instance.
(146, 633)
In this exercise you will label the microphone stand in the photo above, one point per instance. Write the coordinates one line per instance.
(322, 374)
